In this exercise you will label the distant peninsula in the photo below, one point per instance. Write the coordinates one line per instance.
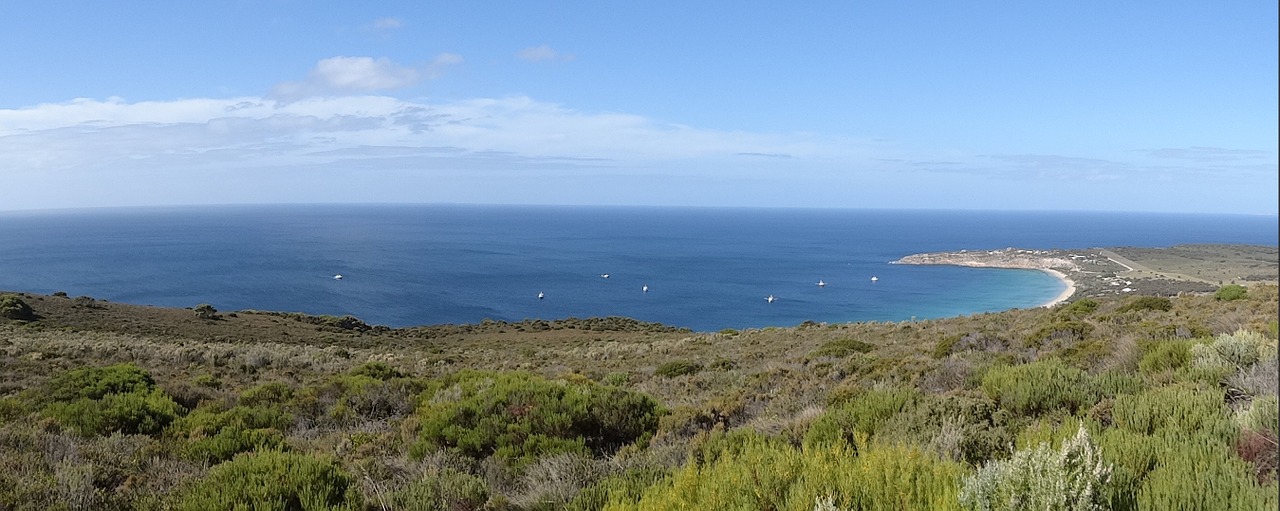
(1095, 272)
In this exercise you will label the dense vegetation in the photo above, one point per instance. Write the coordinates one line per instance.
(1127, 403)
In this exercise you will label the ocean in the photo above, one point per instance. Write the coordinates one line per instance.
(706, 269)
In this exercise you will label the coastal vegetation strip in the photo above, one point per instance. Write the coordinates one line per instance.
(1124, 401)
(1097, 272)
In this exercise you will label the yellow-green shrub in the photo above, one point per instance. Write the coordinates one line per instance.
(214, 436)
(271, 480)
(101, 400)
(769, 474)
(523, 416)
(1039, 387)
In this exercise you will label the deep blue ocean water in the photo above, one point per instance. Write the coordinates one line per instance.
(706, 269)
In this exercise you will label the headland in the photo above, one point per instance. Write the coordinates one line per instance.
(1095, 272)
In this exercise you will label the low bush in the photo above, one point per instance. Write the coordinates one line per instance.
(1145, 303)
(1039, 387)
(760, 473)
(443, 490)
(861, 414)
(1079, 308)
(1230, 292)
(96, 382)
(1233, 351)
(144, 413)
(1203, 475)
(1177, 411)
(1159, 356)
(1072, 478)
(841, 348)
(214, 436)
(677, 368)
(102, 400)
(271, 480)
(520, 416)
(13, 307)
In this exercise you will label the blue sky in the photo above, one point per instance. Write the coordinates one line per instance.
(1129, 106)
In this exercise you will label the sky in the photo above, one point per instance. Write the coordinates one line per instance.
(992, 105)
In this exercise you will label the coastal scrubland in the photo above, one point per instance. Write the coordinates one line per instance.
(1114, 402)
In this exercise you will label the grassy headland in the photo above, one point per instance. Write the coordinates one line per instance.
(1154, 402)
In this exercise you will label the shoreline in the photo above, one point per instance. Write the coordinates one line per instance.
(1011, 259)
(1066, 293)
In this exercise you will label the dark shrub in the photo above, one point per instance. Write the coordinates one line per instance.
(206, 311)
(841, 348)
(1142, 303)
(1079, 308)
(377, 370)
(677, 368)
(12, 307)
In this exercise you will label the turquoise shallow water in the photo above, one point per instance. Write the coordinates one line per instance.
(706, 269)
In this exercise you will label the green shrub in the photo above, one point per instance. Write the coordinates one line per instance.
(1079, 308)
(626, 487)
(145, 413)
(1039, 387)
(1062, 329)
(972, 429)
(13, 307)
(767, 474)
(271, 393)
(1230, 292)
(377, 370)
(102, 400)
(520, 416)
(1161, 356)
(96, 382)
(444, 490)
(1203, 475)
(271, 480)
(214, 436)
(676, 368)
(1143, 303)
(361, 396)
(841, 348)
(862, 414)
(1263, 414)
(943, 347)
(1177, 411)
(11, 408)
(1072, 478)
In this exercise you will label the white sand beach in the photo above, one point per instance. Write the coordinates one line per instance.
(1066, 293)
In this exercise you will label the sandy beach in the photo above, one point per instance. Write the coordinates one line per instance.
(1042, 260)
(1066, 293)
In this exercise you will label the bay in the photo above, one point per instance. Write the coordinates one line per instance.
(705, 268)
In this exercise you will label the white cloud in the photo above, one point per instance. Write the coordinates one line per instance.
(387, 23)
(363, 147)
(542, 54)
(358, 75)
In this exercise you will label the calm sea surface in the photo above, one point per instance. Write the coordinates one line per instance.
(706, 269)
